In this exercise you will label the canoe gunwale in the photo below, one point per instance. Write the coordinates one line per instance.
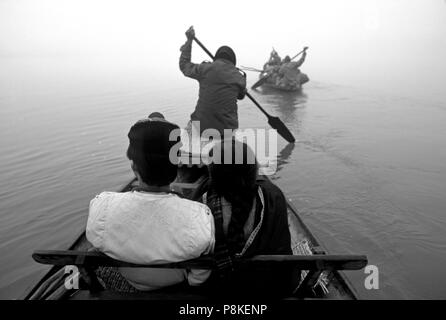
(316, 246)
(338, 274)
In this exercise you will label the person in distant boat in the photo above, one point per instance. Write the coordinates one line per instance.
(271, 67)
(289, 74)
(250, 215)
(150, 224)
(221, 84)
(274, 60)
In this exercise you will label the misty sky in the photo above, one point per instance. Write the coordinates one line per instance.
(350, 41)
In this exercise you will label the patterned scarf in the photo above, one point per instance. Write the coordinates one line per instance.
(222, 255)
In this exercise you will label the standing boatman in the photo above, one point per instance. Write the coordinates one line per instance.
(289, 73)
(221, 85)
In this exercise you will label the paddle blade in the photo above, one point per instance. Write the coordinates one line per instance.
(277, 124)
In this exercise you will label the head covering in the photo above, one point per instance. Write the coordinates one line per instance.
(287, 59)
(156, 116)
(225, 52)
(152, 136)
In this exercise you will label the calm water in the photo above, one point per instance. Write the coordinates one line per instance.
(368, 171)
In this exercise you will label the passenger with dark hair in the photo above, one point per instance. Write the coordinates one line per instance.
(151, 224)
(221, 84)
(250, 215)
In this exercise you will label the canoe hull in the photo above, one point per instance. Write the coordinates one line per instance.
(338, 286)
(270, 83)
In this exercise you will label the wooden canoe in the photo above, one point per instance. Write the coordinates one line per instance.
(280, 88)
(266, 82)
(333, 285)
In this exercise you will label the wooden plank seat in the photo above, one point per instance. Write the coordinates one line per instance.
(88, 262)
(302, 262)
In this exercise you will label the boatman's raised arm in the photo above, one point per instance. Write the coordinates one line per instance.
(300, 62)
(189, 69)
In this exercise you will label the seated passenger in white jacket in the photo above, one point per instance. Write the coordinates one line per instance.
(151, 224)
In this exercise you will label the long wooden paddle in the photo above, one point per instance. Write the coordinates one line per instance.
(305, 49)
(261, 81)
(274, 122)
(250, 69)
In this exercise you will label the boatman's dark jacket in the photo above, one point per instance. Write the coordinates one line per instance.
(221, 84)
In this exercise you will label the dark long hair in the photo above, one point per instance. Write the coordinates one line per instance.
(236, 182)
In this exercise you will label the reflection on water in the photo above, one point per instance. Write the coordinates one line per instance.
(286, 105)
(283, 158)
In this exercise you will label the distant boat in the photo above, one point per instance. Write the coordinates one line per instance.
(267, 80)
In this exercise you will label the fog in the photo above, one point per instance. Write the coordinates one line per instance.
(397, 46)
